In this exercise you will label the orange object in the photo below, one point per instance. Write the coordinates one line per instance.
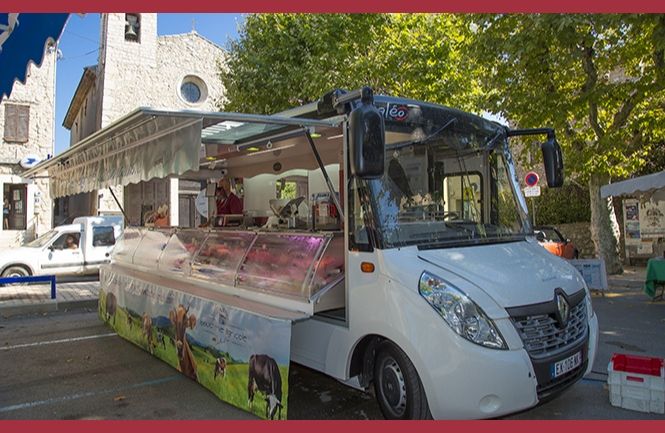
(552, 240)
(367, 267)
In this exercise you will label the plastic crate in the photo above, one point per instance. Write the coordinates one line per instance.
(637, 383)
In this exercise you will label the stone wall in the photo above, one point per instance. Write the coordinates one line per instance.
(580, 235)
(38, 93)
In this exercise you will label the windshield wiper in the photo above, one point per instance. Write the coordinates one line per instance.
(433, 135)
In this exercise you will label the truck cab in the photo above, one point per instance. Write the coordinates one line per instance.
(73, 249)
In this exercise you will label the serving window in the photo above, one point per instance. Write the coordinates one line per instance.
(220, 255)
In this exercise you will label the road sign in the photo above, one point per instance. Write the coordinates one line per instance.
(531, 178)
(29, 161)
(532, 191)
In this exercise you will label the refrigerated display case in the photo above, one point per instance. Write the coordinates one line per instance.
(305, 268)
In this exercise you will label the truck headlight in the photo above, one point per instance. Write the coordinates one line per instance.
(460, 313)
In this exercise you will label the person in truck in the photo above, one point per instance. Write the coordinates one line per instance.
(227, 203)
(70, 243)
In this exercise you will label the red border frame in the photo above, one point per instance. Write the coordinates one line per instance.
(522, 6)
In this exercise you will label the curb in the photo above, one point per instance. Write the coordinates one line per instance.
(49, 306)
(620, 282)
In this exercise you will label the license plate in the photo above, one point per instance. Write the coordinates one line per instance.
(566, 365)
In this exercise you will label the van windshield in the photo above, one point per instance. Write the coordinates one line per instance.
(448, 181)
(42, 240)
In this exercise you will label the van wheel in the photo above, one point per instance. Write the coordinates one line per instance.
(15, 271)
(398, 389)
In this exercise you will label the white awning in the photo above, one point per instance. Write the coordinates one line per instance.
(149, 144)
(640, 185)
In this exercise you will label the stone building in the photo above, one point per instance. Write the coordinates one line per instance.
(27, 134)
(137, 68)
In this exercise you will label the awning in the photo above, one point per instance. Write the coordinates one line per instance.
(23, 39)
(149, 144)
(640, 185)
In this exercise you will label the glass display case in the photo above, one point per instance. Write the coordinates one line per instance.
(281, 263)
(151, 247)
(219, 257)
(125, 247)
(180, 251)
(297, 266)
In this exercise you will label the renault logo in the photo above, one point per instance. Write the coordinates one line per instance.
(563, 309)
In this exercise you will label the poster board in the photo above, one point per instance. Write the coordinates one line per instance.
(241, 357)
(631, 221)
(593, 272)
(652, 219)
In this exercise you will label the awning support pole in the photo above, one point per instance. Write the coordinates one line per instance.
(325, 174)
(119, 206)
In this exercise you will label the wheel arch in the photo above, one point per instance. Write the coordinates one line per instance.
(19, 265)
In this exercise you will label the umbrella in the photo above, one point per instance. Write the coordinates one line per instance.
(23, 38)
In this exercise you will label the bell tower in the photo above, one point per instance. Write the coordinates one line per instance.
(127, 62)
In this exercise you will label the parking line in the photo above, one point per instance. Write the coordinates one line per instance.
(65, 398)
(64, 340)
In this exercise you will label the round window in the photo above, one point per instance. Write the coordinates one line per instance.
(190, 92)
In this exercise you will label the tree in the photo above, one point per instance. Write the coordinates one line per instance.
(284, 60)
(599, 80)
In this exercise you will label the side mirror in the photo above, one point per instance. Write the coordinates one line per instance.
(553, 161)
(51, 248)
(367, 138)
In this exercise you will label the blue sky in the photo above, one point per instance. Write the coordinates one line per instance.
(79, 45)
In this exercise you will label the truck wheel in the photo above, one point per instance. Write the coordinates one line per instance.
(398, 389)
(15, 271)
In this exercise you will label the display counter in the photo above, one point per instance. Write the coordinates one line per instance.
(299, 266)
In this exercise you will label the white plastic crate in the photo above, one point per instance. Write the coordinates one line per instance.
(637, 383)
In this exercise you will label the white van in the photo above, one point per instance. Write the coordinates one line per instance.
(77, 248)
(432, 287)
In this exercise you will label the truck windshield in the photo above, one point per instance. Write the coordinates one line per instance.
(42, 240)
(449, 180)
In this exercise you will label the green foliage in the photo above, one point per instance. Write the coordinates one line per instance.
(568, 204)
(285, 60)
(599, 80)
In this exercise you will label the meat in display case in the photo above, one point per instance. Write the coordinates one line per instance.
(304, 267)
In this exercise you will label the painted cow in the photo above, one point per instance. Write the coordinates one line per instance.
(264, 376)
(182, 320)
(147, 330)
(220, 367)
(111, 306)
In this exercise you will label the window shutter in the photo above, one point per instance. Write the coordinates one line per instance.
(11, 122)
(17, 123)
(23, 128)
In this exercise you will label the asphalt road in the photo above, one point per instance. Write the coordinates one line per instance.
(71, 366)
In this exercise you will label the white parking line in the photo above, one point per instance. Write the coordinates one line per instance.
(64, 340)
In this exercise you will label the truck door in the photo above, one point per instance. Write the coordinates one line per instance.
(98, 248)
(63, 255)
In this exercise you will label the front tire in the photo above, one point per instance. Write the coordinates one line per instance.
(398, 389)
(16, 271)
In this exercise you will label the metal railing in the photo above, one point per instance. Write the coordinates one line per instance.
(32, 279)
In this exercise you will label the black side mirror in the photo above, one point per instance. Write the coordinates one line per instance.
(553, 161)
(367, 138)
(51, 248)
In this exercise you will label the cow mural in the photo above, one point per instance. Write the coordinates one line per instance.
(220, 368)
(182, 320)
(111, 306)
(264, 376)
(147, 330)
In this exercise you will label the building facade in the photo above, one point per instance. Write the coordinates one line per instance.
(138, 68)
(27, 136)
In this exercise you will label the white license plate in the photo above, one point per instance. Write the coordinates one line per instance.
(566, 365)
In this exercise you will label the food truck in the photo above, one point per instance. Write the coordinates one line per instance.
(412, 269)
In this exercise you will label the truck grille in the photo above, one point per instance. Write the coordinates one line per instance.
(542, 335)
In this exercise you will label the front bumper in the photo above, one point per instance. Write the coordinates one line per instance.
(476, 382)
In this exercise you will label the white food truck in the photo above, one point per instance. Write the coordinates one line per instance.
(425, 281)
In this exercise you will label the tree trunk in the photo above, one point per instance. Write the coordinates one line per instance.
(604, 227)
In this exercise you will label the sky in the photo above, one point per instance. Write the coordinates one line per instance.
(79, 47)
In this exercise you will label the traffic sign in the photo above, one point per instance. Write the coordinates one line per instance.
(532, 191)
(531, 178)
